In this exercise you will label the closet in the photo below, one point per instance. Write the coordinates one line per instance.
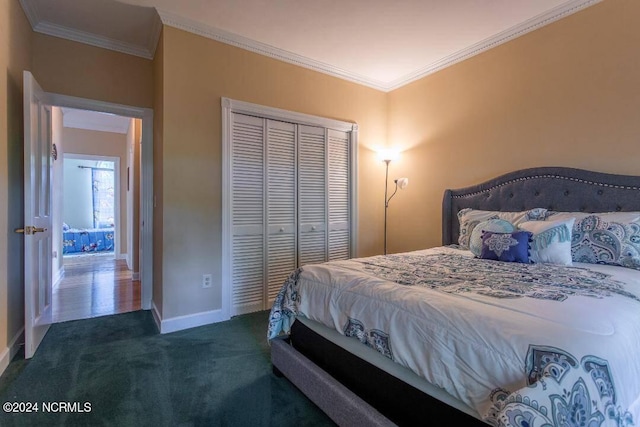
(290, 199)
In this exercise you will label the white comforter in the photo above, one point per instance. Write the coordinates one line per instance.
(518, 343)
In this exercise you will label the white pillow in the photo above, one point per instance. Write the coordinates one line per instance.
(551, 241)
(623, 217)
(470, 218)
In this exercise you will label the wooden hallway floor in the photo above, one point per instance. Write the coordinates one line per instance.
(94, 286)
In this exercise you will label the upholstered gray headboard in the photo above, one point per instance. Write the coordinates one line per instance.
(554, 188)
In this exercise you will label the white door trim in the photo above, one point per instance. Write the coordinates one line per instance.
(146, 177)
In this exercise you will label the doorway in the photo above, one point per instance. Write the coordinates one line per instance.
(146, 179)
(40, 156)
(96, 201)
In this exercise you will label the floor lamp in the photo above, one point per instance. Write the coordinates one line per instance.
(401, 183)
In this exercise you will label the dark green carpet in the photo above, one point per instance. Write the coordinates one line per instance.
(215, 375)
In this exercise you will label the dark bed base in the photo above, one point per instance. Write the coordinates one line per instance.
(395, 400)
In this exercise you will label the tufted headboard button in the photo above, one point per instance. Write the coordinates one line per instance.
(582, 209)
(511, 195)
(618, 208)
(566, 193)
(600, 192)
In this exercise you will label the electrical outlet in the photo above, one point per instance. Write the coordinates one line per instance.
(207, 280)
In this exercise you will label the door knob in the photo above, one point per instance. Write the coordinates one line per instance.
(29, 230)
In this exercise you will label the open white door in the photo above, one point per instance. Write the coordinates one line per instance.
(37, 214)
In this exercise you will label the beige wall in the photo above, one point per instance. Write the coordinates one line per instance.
(70, 68)
(197, 72)
(15, 56)
(111, 144)
(158, 137)
(567, 94)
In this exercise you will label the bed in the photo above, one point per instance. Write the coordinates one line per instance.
(385, 340)
(79, 241)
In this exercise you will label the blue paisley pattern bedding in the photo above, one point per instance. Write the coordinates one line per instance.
(595, 240)
(476, 319)
(577, 394)
(461, 274)
(285, 307)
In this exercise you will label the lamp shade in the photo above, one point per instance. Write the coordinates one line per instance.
(388, 154)
(402, 183)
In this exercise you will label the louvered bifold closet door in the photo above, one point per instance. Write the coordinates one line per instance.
(281, 205)
(312, 195)
(247, 173)
(339, 215)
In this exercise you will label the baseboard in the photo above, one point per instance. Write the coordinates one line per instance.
(135, 275)
(12, 349)
(59, 277)
(156, 316)
(179, 323)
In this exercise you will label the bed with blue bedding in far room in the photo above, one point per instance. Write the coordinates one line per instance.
(89, 240)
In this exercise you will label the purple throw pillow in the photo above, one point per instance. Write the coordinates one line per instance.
(509, 247)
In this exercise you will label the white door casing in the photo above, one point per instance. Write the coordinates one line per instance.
(37, 214)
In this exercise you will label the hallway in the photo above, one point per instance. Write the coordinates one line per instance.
(93, 286)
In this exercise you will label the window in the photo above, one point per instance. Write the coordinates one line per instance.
(103, 183)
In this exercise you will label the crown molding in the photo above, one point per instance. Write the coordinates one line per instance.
(532, 24)
(31, 11)
(182, 23)
(92, 39)
(154, 37)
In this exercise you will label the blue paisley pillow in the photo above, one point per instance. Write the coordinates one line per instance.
(509, 247)
(597, 241)
(495, 225)
(470, 218)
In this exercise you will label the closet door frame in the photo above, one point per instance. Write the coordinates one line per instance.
(230, 106)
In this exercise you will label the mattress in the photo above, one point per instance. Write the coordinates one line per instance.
(500, 339)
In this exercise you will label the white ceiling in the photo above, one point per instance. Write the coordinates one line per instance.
(93, 120)
(380, 43)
